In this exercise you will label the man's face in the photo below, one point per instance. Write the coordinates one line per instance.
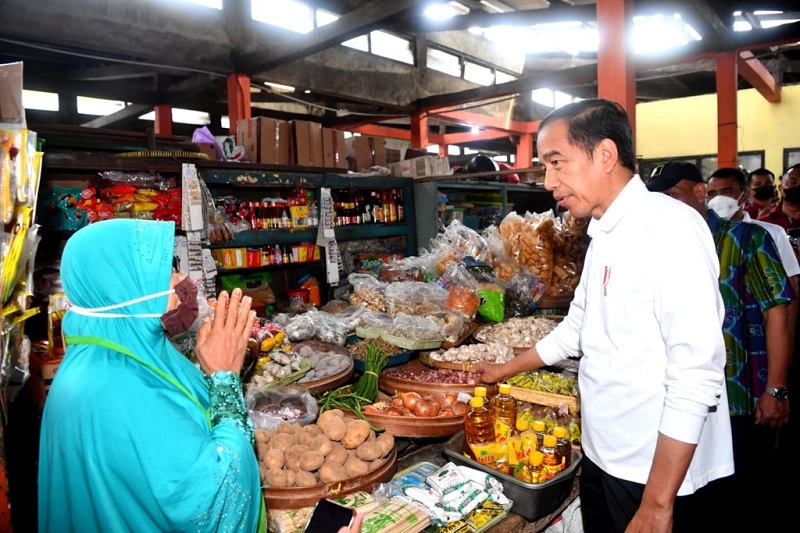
(691, 193)
(576, 180)
(759, 180)
(724, 187)
(791, 179)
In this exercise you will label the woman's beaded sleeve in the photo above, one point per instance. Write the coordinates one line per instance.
(227, 402)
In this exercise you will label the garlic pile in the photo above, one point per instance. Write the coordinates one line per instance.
(473, 353)
(519, 332)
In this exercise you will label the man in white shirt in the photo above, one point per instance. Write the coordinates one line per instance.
(646, 320)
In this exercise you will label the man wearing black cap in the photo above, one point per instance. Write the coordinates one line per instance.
(646, 321)
(757, 296)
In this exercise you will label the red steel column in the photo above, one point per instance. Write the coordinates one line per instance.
(616, 73)
(163, 124)
(524, 158)
(727, 118)
(238, 99)
(419, 131)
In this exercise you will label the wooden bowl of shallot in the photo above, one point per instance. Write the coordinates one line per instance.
(411, 414)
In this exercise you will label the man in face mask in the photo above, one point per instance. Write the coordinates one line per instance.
(724, 195)
(757, 329)
(786, 213)
(761, 191)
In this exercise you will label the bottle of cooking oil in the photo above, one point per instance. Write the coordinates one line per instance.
(504, 413)
(532, 471)
(563, 447)
(479, 433)
(480, 392)
(551, 464)
(538, 428)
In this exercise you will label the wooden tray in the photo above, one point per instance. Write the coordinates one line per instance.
(392, 385)
(298, 497)
(328, 382)
(465, 334)
(517, 349)
(393, 360)
(417, 426)
(425, 358)
(550, 399)
(369, 333)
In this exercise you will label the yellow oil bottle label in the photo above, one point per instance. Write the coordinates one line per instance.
(524, 420)
(516, 451)
(502, 430)
(484, 453)
(551, 470)
(528, 441)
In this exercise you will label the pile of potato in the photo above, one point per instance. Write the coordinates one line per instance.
(334, 449)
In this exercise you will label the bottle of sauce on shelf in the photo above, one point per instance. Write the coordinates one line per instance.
(479, 433)
(401, 210)
(551, 462)
(504, 413)
(563, 447)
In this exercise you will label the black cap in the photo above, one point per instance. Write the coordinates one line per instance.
(667, 176)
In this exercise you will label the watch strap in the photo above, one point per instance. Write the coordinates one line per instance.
(779, 393)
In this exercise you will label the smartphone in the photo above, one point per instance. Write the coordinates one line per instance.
(328, 517)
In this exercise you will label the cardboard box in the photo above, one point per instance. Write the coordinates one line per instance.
(366, 151)
(392, 156)
(230, 257)
(378, 147)
(359, 153)
(334, 151)
(274, 141)
(429, 165)
(265, 140)
(307, 137)
(209, 149)
(247, 136)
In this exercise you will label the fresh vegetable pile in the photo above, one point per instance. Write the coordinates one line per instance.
(544, 381)
(364, 392)
(332, 450)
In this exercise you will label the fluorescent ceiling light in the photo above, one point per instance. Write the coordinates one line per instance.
(43, 101)
(492, 7)
(279, 88)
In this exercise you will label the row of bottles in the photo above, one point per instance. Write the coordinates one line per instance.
(494, 438)
(300, 210)
(375, 207)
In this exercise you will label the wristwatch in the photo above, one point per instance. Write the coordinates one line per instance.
(779, 393)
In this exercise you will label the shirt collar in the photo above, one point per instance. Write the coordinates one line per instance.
(628, 198)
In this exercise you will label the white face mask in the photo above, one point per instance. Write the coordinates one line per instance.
(100, 312)
(724, 206)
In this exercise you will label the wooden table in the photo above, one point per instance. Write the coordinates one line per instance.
(413, 451)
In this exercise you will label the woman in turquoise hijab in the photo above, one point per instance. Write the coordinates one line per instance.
(134, 436)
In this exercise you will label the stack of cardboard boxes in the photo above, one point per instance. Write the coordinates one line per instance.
(272, 141)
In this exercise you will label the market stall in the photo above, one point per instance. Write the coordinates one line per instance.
(354, 397)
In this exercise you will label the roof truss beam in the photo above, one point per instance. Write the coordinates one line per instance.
(370, 16)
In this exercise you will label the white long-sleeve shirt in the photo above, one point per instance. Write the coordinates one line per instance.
(647, 320)
(781, 238)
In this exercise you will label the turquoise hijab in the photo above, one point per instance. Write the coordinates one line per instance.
(123, 448)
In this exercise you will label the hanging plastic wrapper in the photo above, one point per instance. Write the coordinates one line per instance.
(327, 238)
